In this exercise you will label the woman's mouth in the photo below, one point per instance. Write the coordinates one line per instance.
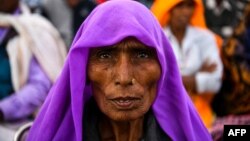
(125, 103)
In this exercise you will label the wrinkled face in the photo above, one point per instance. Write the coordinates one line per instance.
(124, 79)
(181, 14)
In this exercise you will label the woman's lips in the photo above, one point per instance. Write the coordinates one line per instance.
(125, 102)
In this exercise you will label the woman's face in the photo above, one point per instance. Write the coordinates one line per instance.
(124, 79)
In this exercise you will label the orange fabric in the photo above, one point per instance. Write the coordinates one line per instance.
(219, 42)
(203, 107)
(161, 9)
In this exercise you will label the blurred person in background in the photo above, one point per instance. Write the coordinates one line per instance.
(223, 15)
(147, 3)
(34, 5)
(31, 57)
(121, 82)
(232, 103)
(81, 9)
(67, 15)
(195, 49)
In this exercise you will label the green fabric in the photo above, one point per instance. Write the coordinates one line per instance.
(5, 74)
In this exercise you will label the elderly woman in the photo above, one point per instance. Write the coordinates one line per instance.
(120, 82)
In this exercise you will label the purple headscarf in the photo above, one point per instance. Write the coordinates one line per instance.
(61, 116)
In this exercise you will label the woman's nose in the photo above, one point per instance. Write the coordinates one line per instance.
(124, 74)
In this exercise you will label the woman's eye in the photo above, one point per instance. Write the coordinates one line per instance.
(143, 55)
(104, 55)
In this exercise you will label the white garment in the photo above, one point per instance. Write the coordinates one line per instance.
(36, 37)
(198, 46)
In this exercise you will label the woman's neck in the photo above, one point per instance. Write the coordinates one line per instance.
(121, 131)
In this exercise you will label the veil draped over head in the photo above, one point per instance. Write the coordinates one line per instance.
(61, 116)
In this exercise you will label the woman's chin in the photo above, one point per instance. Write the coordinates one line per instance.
(126, 116)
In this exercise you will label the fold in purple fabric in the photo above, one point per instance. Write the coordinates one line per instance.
(61, 115)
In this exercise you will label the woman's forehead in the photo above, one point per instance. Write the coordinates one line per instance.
(126, 45)
(130, 42)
